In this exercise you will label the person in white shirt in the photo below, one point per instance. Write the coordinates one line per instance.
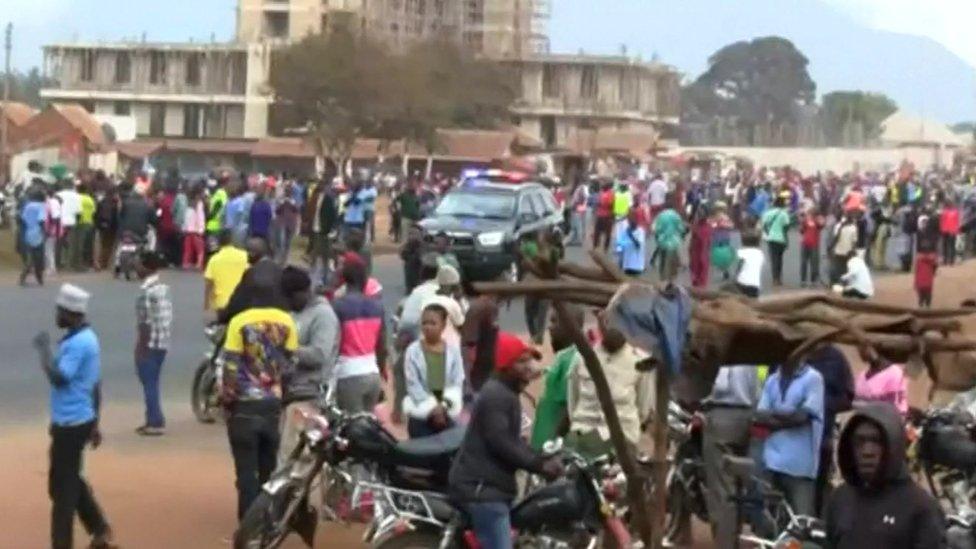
(751, 261)
(52, 248)
(71, 242)
(657, 193)
(857, 281)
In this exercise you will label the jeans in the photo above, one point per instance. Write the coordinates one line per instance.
(86, 246)
(809, 264)
(282, 245)
(800, 492)
(577, 233)
(492, 524)
(725, 427)
(252, 430)
(358, 394)
(149, 369)
(33, 261)
(106, 248)
(776, 250)
(68, 490)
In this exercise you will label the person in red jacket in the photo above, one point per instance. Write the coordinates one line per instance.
(926, 264)
(949, 227)
(604, 217)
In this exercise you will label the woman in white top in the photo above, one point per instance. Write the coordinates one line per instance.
(194, 224)
(857, 281)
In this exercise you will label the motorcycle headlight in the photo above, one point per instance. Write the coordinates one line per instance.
(491, 239)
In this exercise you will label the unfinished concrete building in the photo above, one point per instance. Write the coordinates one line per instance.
(498, 29)
(172, 90)
(563, 94)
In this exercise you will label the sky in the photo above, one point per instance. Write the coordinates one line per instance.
(949, 22)
(37, 22)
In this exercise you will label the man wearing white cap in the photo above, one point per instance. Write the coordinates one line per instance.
(74, 374)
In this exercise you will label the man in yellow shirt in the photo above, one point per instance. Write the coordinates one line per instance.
(86, 229)
(258, 350)
(223, 273)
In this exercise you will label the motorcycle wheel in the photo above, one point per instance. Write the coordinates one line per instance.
(201, 396)
(420, 539)
(679, 514)
(262, 525)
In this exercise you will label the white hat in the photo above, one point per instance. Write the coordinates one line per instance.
(448, 276)
(72, 298)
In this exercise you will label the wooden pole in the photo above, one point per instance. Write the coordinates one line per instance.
(662, 401)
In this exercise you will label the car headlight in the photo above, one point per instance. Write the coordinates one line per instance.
(491, 239)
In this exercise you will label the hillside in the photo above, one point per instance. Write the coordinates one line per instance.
(919, 73)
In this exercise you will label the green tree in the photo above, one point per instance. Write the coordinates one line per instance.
(340, 87)
(757, 84)
(855, 117)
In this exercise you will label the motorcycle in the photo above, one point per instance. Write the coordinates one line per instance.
(775, 525)
(686, 477)
(942, 451)
(206, 380)
(347, 453)
(576, 511)
(125, 257)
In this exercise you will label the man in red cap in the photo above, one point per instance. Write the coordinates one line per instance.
(482, 478)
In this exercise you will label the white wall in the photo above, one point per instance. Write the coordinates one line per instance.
(810, 160)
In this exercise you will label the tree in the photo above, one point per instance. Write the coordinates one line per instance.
(967, 128)
(341, 87)
(26, 87)
(855, 117)
(759, 84)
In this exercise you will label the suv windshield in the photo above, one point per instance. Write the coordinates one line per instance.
(485, 205)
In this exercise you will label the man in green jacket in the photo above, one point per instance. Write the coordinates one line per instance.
(552, 414)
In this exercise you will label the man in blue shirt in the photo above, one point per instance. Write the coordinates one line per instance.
(74, 374)
(32, 236)
(631, 251)
(791, 408)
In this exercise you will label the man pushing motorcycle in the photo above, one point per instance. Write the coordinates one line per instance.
(482, 478)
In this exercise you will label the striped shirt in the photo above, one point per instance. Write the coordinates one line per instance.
(361, 325)
(154, 308)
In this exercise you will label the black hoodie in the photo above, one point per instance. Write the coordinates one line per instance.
(895, 515)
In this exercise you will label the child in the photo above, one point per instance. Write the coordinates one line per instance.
(435, 377)
(926, 264)
(748, 276)
(722, 255)
(631, 246)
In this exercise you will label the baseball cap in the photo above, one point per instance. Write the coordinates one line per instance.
(509, 348)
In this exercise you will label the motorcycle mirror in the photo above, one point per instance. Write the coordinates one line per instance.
(553, 446)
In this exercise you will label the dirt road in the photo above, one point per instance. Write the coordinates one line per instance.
(177, 491)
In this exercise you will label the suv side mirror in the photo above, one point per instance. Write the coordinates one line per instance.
(526, 218)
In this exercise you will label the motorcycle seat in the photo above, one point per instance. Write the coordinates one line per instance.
(445, 443)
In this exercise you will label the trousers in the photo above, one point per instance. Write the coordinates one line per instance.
(492, 524)
(193, 251)
(252, 430)
(33, 262)
(358, 393)
(70, 492)
(149, 370)
(725, 428)
(809, 265)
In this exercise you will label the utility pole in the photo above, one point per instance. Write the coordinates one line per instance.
(4, 121)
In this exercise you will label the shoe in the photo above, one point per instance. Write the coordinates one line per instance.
(148, 431)
(103, 541)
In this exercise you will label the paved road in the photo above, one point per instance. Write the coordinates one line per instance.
(23, 391)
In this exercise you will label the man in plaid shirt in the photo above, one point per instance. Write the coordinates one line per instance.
(154, 316)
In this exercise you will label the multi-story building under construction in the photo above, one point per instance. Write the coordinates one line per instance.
(494, 28)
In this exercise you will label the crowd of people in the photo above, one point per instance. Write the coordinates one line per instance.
(296, 334)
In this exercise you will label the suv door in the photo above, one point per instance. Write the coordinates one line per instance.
(531, 215)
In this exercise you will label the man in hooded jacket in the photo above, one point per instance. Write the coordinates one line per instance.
(879, 505)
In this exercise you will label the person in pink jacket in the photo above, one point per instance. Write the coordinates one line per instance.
(882, 381)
